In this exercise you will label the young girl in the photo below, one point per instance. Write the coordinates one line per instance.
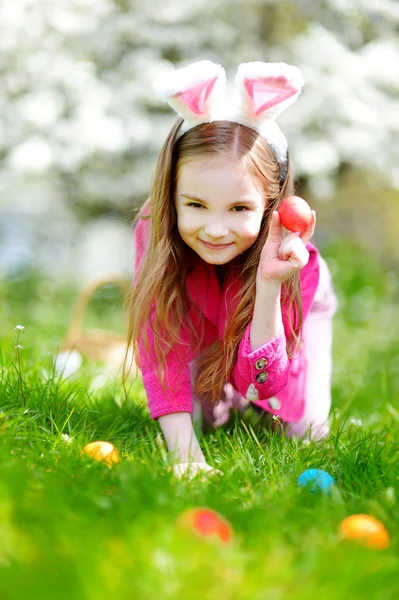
(228, 307)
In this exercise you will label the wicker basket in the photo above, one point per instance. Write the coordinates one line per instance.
(98, 345)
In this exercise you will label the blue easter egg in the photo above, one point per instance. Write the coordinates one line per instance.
(321, 480)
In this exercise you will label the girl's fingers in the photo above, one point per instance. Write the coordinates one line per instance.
(309, 231)
(192, 469)
(293, 249)
(274, 235)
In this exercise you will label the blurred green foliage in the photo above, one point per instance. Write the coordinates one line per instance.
(73, 528)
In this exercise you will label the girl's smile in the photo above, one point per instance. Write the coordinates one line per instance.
(215, 246)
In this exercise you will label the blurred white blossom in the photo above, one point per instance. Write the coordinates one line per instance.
(67, 363)
(356, 422)
(35, 154)
(81, 128)
(390, 495)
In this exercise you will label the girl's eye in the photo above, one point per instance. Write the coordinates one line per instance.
(195, 204)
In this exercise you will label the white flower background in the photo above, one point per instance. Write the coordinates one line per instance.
(80, 129)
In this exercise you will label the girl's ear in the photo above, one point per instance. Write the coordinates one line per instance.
(264, 90)
(193, 91)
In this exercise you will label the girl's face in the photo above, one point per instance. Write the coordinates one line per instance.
(218, 202)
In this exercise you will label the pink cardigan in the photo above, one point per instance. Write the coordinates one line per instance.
(262, 375)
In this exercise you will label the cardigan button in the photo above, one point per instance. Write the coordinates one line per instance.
(252, 393)
(274, 403)
(260, 364)
(261, 377)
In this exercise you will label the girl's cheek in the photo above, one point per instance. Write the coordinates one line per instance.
(188, 224)
(252, 229)
(187, 227)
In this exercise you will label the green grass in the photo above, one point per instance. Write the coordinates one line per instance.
(71, 527)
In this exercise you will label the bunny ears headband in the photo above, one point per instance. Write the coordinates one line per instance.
(261, 92)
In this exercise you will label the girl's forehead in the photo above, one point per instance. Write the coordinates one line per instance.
(211, 162)
(220, 171)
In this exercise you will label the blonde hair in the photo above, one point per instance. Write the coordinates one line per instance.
(159, 297)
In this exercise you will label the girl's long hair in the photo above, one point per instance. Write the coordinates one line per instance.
(159, 298)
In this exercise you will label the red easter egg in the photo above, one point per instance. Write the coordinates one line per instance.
(295, 214)
(207, 523)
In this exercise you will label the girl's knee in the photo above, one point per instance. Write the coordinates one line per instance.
(308, 430)
(325, 302)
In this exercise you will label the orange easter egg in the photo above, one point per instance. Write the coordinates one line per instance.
(295, 214)
(102, 451)
(207, 524)
(365, 529)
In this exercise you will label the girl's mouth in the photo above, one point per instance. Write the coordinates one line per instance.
(216, 246)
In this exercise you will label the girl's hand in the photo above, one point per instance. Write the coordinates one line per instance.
(192, 469)
(280, 258)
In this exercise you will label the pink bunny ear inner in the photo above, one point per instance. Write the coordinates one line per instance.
(266, 92)
(195, 97)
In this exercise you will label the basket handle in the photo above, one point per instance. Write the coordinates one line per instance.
(84, 298)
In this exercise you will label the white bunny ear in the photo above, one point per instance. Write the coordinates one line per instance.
(264, 90)
(193, 91)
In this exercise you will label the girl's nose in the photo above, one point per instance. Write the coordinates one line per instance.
(216, 230)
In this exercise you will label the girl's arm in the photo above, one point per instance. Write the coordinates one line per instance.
(180, 437)
(262, 369)
(280, 259)
(174, 412)
(267, 320)
(183, 445)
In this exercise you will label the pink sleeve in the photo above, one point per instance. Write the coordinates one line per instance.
(177, 396)
(310, 276)
(262, 373)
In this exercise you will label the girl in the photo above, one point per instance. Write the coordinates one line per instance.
(228, 307)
